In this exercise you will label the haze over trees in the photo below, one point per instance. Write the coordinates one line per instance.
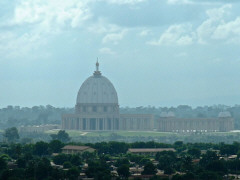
(11, 134)
(16, 116)
(61, 136)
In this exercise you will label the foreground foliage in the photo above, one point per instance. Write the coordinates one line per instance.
(190, 161)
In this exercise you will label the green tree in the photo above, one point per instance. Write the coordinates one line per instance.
(207, 175)
(26, 140)
(75, 160)
(11, 134)
(57, 174)
(55, 146)
(187, 176)
(61, 136)
(123, 171)
(178, 144)
(72, 173)
(13, 174)
(208, 157)
(5, 157)
(134, 157)
(41, 148)
(122, 161)
(3, 164)
(43, 169)
(166, 159)
(238, 154)
(60, 159)
(217, 166)
(194, 152)
(67, 165)
(168, 170)
(228, 149)
(98, 170)
(30, 169)
(149, 169)
(88, 155)
(144, 161)
(187, 164)
(18, 150)
(21, 162)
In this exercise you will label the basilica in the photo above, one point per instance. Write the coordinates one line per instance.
(97, 109)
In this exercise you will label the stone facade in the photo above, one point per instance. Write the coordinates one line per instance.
(172, 124)
(90, 122)
(97, 109)
(136, 122)
(108, 122)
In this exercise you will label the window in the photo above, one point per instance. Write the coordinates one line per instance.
(105, 108)
(116, 124)
(84, 124)
(92, 124)
(94, 109)
(101, 124)
(109, 124)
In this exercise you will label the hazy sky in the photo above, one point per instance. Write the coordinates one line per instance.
(155, 52)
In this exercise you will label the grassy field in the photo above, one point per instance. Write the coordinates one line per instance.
(73, 133)
(166, 137)
(129, 133)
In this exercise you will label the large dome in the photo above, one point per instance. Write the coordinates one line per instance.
(97, 89)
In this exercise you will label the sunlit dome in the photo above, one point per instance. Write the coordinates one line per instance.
(171, 114)
(167, 114)
(224, 114)
(97, 89)
(164, 114)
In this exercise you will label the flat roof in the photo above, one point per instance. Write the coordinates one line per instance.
(71, 147)
(150, 149)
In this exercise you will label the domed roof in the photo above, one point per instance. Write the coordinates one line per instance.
(224, 114)
(164, 114)
(97, 89)
(167, 114)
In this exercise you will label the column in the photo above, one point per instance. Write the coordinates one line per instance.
(97, 124)
(87, 124)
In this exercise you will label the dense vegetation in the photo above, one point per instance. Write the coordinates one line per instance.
(43, 160)
(37, 115)
(17, 116)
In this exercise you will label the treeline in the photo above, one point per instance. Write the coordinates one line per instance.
(22, 116)
(36, 115)
(185, 111)
(190, 161)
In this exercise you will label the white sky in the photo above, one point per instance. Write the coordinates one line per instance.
(155, 52)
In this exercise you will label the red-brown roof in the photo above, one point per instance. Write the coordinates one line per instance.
(71, 147)
(143, 150)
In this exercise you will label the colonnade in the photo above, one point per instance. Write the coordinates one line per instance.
(195, 124)
(76, 123)
(136, 122)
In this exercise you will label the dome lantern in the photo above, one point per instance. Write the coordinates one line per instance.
(97, 89)
(97, 72)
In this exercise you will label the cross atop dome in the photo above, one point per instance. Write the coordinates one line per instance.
(97, 72)
(97, 65)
